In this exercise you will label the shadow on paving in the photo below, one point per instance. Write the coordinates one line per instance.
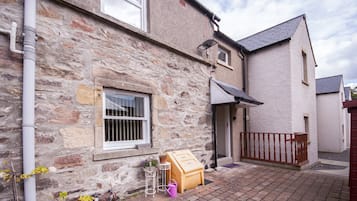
(255, 182)
(343, 156)
(323, 166)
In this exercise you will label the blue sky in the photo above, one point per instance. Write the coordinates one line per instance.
(332, 26)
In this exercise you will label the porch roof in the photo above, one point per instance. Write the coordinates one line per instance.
(222, 93)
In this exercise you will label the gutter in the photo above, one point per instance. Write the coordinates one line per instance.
(214, 19)
(28, 98)
(203, 10)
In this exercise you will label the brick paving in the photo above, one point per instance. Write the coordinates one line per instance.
(253, 183)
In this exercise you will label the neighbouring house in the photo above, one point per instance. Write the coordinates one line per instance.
(332, 119)
(281, 73)
(348, 97)
(100, 91)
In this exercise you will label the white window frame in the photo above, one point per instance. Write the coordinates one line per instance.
(146, 122)
(142, 6)
(227, 57)
(305, 73)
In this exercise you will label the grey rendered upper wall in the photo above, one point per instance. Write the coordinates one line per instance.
(178, 23)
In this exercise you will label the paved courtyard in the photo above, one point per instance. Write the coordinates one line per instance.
(254, 182)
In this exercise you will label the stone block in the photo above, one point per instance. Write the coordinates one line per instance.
(45, 183)
(168, 118)
(160, 103)
(85, 95)
(81, 24)
(65, 115)
(68, 161)
(74, 137)
(3, 139)
(110, 167)
(47, 11)
(44, 139)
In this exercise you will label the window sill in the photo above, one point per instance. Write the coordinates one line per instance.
(224, 65)
(105, 155)
(305, 82)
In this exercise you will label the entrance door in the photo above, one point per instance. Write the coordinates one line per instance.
(223, 133)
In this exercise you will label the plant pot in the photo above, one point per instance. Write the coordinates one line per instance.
(163, 158)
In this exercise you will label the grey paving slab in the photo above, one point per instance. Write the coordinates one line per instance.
(343, 156)
(255, 182)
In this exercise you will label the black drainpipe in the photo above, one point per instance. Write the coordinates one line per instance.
(244, 69)
(214, 135)
(244, 65)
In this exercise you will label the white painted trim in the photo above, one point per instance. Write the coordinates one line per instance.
(227, 56)
(218, 95)
(143, 13)
(145, 119)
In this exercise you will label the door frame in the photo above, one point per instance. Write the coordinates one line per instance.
(228, 132)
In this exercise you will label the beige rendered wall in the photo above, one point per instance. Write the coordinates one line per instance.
(179, 23)
(303, 96)
(232, 75)
(269, 80)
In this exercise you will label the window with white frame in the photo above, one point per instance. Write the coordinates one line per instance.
(132, 12)
(126, 119)
(223, 56)
(304, 68)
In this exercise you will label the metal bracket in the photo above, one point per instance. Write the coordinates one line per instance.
(12, 33)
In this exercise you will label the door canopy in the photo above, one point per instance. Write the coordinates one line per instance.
(223, 93)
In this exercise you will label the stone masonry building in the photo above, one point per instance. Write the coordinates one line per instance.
(113, 89)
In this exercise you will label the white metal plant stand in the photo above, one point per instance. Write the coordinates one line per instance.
(150, 181)
(162, 176)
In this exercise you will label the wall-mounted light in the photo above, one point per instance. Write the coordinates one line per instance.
(207, 44)
(202, 48)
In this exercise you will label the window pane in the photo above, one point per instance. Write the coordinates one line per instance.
(138, 2)
(123, 10)
(124, 105)
(222, 56)
(123, 130)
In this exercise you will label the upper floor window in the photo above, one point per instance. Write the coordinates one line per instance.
(223, 56)
(304, 68)
(132, 12)
(126, 119)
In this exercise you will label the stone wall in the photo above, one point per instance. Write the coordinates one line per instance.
(10, 94)
(77, 56)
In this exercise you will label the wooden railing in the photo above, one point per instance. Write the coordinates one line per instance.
(283, 148)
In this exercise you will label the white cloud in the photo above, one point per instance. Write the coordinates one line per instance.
(332, 25)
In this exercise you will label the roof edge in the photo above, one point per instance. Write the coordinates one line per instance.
(203, 9)
(302, 15)
(339, 75)
(229, 40)
(334, 92)
(308, 35)
(276, 43)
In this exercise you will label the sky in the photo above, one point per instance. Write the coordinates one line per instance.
(332, 26)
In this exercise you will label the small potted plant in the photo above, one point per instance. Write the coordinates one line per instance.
(150, 166)
(163, 158)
